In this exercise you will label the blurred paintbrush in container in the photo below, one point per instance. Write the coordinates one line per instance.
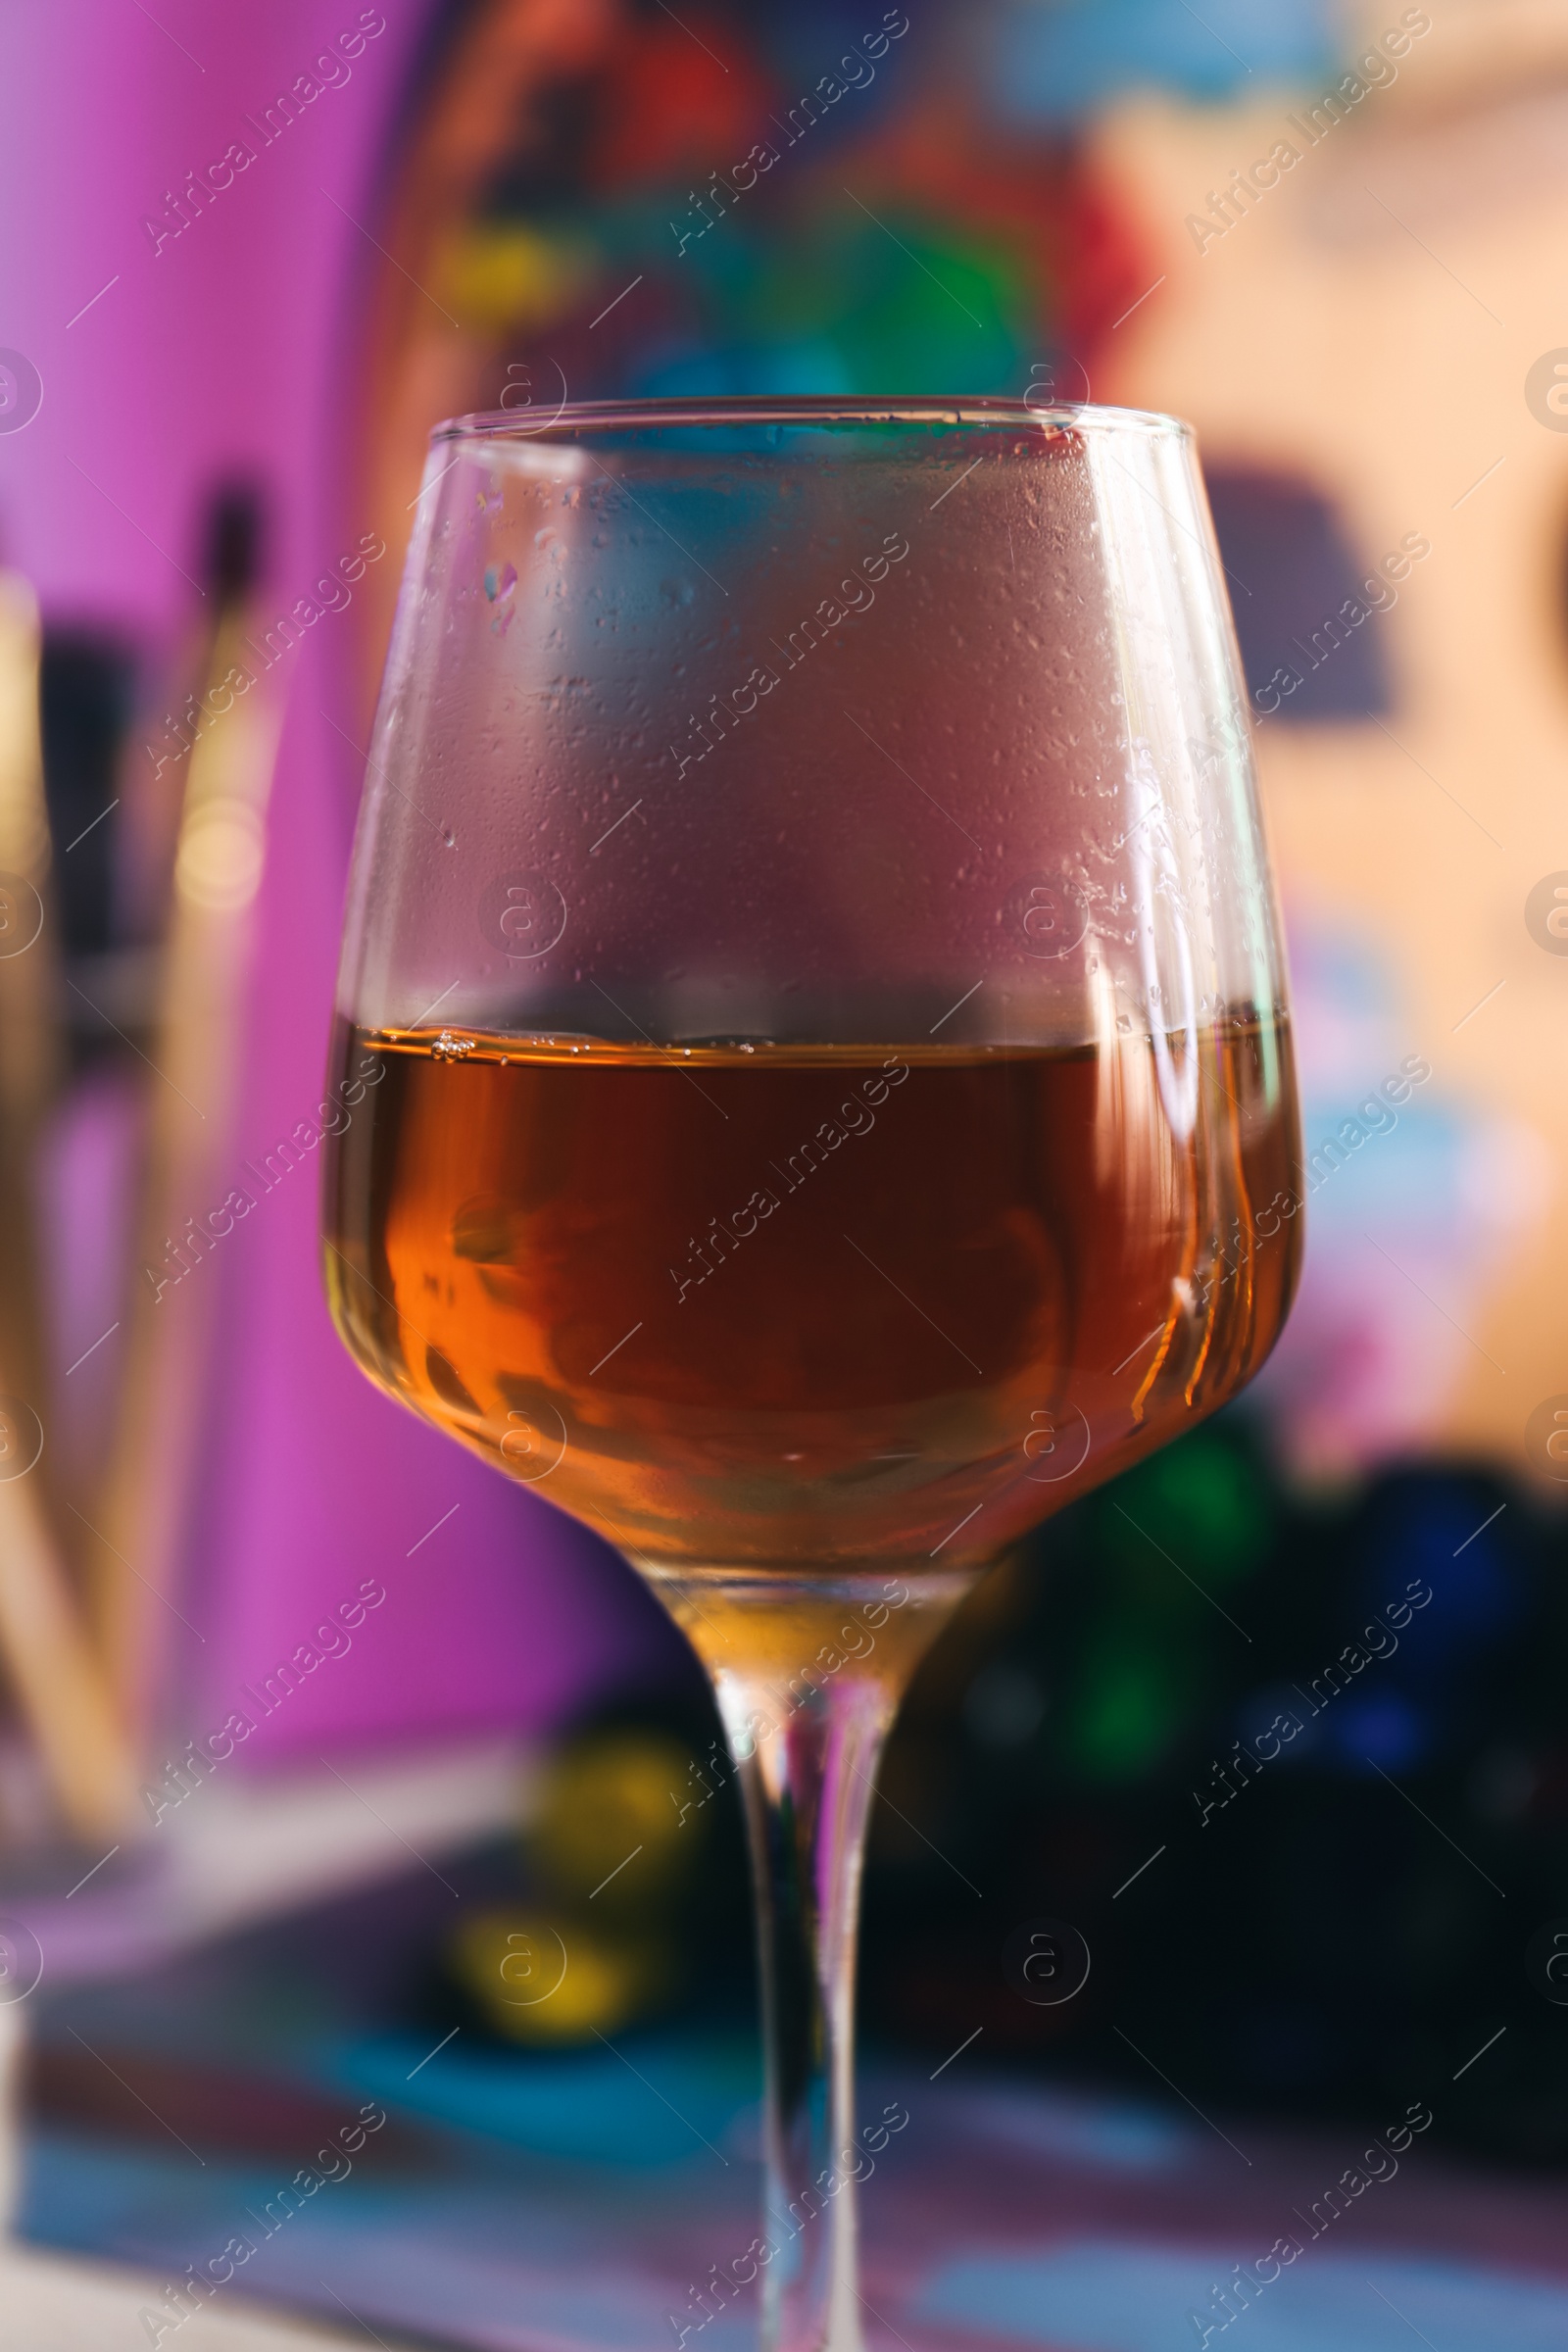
(218, 849)
(47, 1659)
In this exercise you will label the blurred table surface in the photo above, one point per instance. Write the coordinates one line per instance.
(580, 2204)
(47, 2305)
(591, 2200)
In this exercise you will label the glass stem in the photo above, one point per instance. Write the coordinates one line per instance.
(806, 1791)
(806, 1733)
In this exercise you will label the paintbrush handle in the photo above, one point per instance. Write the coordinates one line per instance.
(61, 1688)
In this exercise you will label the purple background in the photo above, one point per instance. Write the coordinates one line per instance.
(230, 351)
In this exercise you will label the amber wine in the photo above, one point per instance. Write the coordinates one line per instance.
(809, 1308)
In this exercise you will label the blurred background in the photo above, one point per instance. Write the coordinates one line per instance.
(255, 256)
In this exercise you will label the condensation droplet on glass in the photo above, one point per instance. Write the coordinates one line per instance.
(500, 582)
(449, 841)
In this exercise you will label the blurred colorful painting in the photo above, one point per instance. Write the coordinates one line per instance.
(1213, 212)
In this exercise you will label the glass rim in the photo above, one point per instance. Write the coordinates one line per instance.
(729, 410)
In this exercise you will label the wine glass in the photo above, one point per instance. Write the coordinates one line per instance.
(813, 1024)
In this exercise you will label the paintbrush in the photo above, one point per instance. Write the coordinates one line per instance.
(142, 1518)
(43, 1642)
